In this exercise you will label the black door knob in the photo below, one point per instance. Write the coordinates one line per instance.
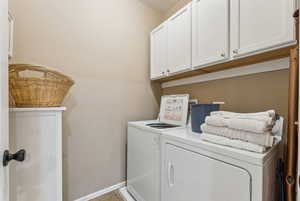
(19, 156)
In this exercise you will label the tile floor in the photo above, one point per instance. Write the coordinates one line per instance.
(113, 196)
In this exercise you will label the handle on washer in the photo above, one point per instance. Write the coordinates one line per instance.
(171, 178)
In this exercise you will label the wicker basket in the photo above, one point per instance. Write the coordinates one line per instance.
(46, 90)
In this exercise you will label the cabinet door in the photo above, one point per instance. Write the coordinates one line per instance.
(39, 177)
(210, 32)
(179, 41)
(261, 25)
(191, 176)
(159, 51)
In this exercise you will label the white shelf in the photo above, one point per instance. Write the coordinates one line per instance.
(275, 65)
(37, 109)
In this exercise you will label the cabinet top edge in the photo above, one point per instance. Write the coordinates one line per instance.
(37, 109)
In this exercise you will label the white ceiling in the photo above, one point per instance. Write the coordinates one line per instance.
(162, 5)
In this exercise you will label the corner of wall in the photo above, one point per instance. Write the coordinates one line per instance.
(180, 4)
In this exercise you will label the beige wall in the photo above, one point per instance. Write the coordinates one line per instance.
(176, 7)
(251, 93)
(104, 46)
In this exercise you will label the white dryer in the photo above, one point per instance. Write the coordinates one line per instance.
(193, 169)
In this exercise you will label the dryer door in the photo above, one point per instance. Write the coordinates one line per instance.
(190, 176)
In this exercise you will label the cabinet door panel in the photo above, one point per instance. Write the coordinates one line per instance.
(39, 177)
(191, 176)
(179, 41)
(261, 25)
(210, 32)
(159, 52)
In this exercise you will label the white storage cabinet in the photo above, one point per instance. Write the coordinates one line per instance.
(221, 30)
(210, 35)
(159, 51)
(258, 26)
(179, 41)
(171, 45)
(39, 132)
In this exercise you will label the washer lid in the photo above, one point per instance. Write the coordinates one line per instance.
(174, 109)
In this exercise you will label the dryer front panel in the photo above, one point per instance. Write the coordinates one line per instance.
(143, 165)
(190, 176)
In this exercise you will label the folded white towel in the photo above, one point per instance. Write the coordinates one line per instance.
(268, 120)
(265, 139)
(251, 125)
(216, 121)
(253, 122)
(259, 115)
(233, 143)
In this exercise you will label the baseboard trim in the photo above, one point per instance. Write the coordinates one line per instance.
(102, 192)
(125, 195)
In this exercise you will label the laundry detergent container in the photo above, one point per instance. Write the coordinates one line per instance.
(198, 114)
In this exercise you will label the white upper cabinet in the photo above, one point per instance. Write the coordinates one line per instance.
(210, 32)
(261, 25)
(179, 41)
(159, 51)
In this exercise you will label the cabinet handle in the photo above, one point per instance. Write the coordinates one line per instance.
(235, 51)
(168, 71)
(171, 178)
(162, 73)
(19, 156)
(223, 55)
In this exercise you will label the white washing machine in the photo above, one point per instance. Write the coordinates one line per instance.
(143, 148)
(193, 169)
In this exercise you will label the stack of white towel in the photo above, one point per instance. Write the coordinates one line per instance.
(250, 131)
